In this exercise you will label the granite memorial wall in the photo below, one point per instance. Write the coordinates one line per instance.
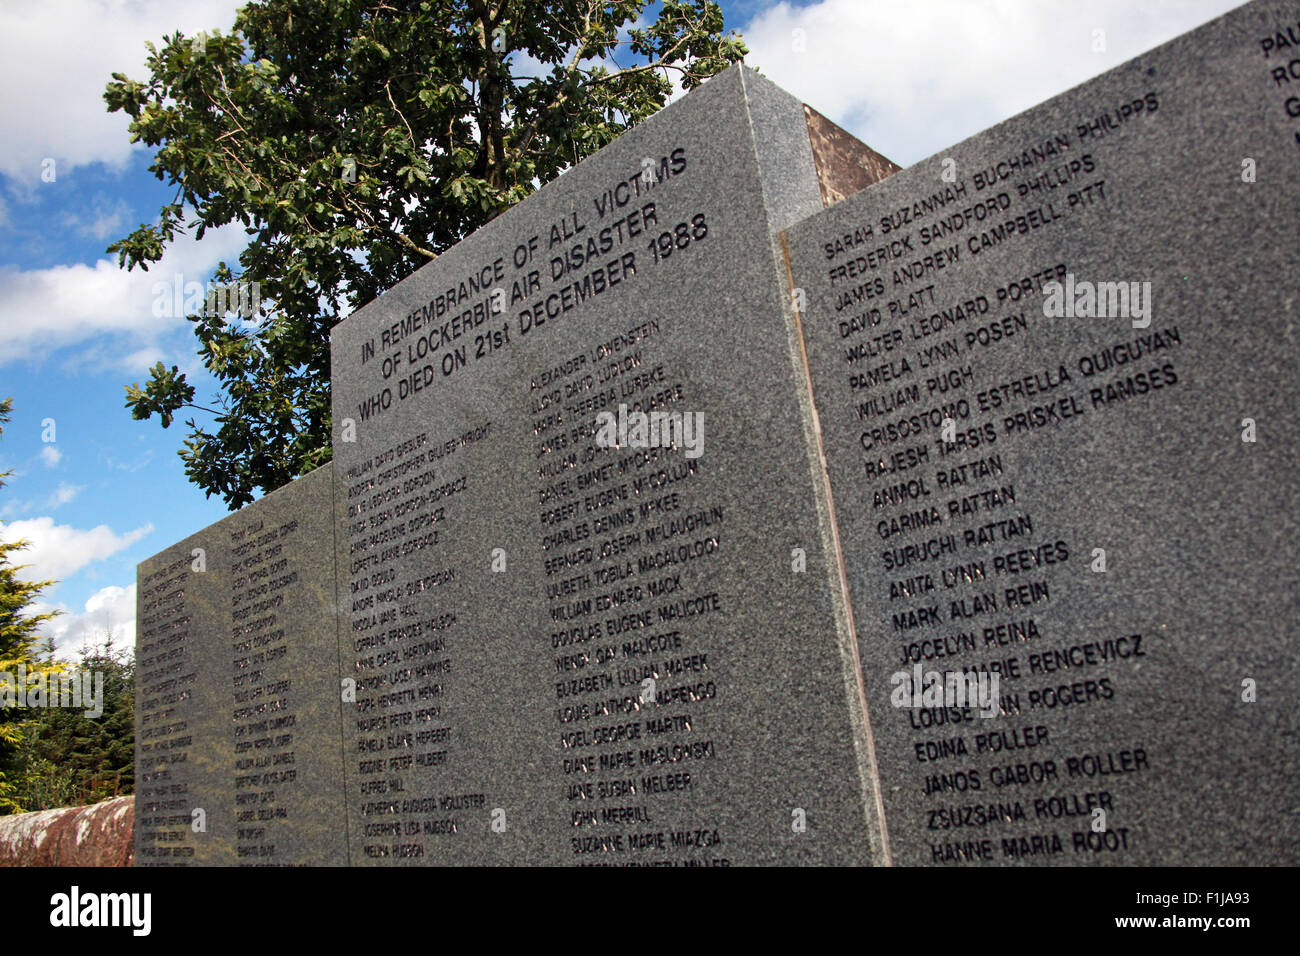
(570, 650)
(673, 513)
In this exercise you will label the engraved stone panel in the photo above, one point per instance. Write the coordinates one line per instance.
(1055, 373)
(238, 690)
(569, 651)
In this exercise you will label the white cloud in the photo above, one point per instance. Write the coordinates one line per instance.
(61, 495)
(145, 357)
(64, 494)
(55, 551)
(107, 219)
(910, 79)
(56, 58)
(109, 611)
(45, 309)
(51, 456)
(137, 462)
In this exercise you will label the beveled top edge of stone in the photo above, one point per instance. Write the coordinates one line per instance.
(315, 475)
(730, 82)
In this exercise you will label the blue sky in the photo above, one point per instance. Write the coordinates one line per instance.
(909, 78)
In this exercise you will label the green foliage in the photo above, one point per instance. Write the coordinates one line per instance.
(164, 394)
(18, 647)
(355, 141)
(67, 759)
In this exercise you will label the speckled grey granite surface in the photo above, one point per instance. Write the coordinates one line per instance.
(238, 691)
(499, 715)
(1123, 690)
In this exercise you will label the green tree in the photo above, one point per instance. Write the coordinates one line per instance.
(356, 140)
(68, 759)
(19, 648)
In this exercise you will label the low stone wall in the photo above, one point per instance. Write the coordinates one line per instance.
(102, 834)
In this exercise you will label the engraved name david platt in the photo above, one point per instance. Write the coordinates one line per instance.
(583, 627)
(1054, 367)
(238, 696)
